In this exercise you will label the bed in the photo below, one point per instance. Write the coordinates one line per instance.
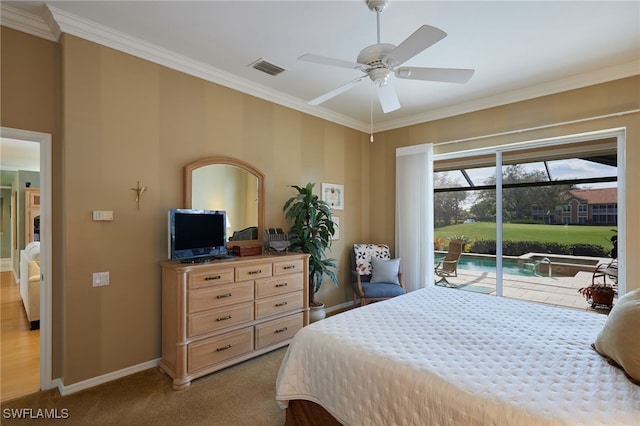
(440, 356)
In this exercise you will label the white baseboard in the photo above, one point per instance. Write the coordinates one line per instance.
(5, 264)
(340, 307)
(105, 378)
(95, 381)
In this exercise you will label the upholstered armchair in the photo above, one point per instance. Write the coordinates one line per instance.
(375, 276)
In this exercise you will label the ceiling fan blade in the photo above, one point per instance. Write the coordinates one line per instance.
(388, 97)
(332, 61)
(335, 92)
(423, 37)
(447, 75)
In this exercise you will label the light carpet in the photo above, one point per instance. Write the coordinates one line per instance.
(240, 395)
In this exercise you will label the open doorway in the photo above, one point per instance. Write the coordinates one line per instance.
(24, 353)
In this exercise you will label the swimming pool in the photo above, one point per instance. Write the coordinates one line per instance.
(489, 265)
(529, 264)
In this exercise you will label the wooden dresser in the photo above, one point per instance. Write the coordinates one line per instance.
(218, 314)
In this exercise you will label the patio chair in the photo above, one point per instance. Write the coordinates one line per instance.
(607, 273)
(448, 266)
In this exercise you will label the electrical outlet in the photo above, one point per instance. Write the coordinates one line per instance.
(100, 279)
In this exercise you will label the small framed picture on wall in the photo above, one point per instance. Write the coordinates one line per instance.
(333, 195)
(336, 227)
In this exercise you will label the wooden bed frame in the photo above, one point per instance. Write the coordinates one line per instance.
(306, 413)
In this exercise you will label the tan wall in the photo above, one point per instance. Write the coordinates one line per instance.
(127, 120)
(595, 101)
(30, 100)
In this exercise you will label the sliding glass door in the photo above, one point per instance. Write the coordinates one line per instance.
(538, 229)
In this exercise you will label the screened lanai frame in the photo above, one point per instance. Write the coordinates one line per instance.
(568, 165)
(498, 152)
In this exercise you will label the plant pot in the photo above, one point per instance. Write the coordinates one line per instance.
(604, 297)
(317, 313)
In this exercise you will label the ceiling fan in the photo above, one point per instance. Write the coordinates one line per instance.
(378, 61)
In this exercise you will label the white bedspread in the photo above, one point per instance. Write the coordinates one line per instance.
(441, 356)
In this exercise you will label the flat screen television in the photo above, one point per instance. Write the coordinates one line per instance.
(197, 234)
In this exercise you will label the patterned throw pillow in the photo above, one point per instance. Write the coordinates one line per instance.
(364, 252)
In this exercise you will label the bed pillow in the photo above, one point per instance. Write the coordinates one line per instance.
(385, 271)
(618, 340)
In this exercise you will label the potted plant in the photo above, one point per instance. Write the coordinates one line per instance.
(598, 294)
(311, 230)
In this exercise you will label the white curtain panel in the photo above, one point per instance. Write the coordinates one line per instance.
(414, 214)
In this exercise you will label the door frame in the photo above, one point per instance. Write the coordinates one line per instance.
(44, 139)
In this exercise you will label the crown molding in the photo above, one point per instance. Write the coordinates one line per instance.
(578, 81)
(91, 31)
(19, 20)
(58, 21)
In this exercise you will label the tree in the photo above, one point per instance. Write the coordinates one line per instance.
(517, 203)
(485, 208)
(447, 205)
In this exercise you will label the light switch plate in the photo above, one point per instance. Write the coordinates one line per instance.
(103, 215)
(100, 279)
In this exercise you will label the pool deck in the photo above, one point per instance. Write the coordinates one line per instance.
(556, 291)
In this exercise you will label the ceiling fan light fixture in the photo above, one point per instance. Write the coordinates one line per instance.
(379, 76)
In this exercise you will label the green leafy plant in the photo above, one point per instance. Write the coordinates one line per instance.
(311, 230)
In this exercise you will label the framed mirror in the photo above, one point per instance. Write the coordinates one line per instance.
(223, 183)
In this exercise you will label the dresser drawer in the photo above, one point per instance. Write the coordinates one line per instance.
(221, 276)
(212, 351)
(217, 296)
(278, 330)
(288, 267)
(278, 285)
(277, 304)
(216, 319)
(251, 272)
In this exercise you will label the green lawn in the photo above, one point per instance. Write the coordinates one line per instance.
(570, 234)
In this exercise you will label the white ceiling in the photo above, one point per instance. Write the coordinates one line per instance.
(519, 49)
(19, 155)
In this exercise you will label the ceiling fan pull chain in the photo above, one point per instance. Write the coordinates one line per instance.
(371, 109)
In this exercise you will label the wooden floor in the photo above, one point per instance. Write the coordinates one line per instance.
(19, 347)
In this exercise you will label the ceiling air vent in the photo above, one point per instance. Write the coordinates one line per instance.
(267, 67)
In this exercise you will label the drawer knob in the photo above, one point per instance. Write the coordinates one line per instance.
(259, 271)
(222, 296)
(224, 318)
(282, 330)
(281, 285)
(290, 267)
(214, 277)
(224, 348)
(281, 304)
